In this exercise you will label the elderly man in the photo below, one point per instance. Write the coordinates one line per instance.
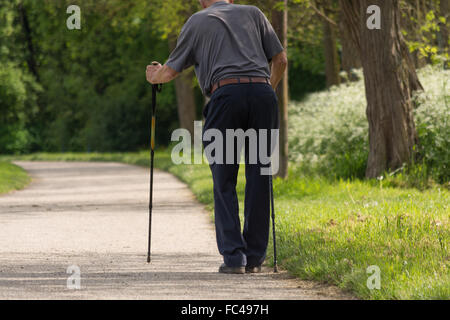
(231, 47)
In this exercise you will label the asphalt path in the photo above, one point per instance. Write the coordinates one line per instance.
(79, 231)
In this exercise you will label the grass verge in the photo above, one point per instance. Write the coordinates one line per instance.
(12, 177)
(334, 231)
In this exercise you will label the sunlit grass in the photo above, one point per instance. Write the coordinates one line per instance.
(12, 177)
(336, 234)
(333, 232)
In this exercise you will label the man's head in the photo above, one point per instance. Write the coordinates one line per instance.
(206, 3)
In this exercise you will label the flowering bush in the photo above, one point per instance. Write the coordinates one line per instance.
(329, 130)
(432, 121)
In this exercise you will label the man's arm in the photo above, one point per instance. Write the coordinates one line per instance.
(279, 65)
(156, 73)
(181, 57)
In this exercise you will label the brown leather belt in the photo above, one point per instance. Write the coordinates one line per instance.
(225, 82)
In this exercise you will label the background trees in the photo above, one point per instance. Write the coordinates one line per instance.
(84, 90)
(18, 83)
(169, 19)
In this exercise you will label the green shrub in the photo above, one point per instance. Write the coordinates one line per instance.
(17, 103)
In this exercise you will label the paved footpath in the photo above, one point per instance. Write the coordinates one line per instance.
(95, 216)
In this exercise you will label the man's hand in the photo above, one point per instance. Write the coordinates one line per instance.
(152, 72)
(156, 73)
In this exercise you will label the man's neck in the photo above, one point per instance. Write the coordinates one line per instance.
(216, 2)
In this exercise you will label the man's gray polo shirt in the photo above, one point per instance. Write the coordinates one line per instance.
(226, 41)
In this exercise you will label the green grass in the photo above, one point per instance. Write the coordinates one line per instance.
(12, 177)
(333, 231)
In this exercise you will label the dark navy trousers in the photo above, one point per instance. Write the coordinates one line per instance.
(242, 106)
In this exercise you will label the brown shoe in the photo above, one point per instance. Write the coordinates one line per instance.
(231, 270)
(256, 269)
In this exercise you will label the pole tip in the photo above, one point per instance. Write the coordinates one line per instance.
(148, 259)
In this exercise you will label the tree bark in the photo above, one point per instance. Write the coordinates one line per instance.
(185, 98)
(332, 66)
(280, 24)
(351, 16)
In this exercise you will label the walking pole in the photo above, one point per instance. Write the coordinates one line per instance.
(275, 266)
(155, 89)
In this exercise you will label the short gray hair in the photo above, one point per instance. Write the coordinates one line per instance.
(205, 2)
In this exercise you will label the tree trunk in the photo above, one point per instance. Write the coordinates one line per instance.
(280, 24)
(31, 55)
(332, 66)
(419, 61)
(392, 133)
(186, 101)
(444, 12)
(185, 98)
(390, 80)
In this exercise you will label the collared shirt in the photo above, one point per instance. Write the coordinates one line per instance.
(226, 41)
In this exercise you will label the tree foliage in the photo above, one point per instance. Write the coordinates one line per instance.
(85, 90)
